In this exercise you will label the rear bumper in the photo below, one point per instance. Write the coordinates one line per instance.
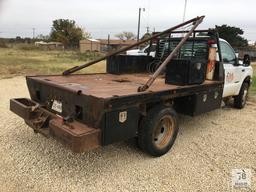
(77, 136)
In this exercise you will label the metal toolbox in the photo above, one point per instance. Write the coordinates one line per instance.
(120, 64)
(186, 71)
(200, 102)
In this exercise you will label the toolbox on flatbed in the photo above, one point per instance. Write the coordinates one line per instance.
(125, 64)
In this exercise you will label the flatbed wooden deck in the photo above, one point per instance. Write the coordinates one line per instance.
(110, 85)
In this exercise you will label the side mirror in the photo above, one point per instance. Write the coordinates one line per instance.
(247, 60)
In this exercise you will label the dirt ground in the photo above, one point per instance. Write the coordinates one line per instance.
(207, 148)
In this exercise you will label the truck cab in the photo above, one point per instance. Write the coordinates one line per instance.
(143, 51)
(238, 74)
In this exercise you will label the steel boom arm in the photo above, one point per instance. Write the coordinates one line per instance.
(168, 31)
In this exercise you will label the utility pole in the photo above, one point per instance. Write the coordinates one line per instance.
(108, 47)
(108, 39)
(34, 30)
(185, 9)
(138, 34)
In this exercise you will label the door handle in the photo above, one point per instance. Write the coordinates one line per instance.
(243, 70)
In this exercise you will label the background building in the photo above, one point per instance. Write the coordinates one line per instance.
(89, 45)
(104, 45)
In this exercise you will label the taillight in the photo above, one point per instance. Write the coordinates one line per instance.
(211, 42)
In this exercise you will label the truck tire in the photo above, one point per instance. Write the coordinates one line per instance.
(158, 131)
(240, 100)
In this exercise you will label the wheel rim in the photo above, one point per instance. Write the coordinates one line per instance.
(163, 132)
(245, 97)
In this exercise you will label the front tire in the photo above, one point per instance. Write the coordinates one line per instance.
(240, 100)
(158, 131)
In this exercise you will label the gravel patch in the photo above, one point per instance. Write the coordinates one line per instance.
(207, 148)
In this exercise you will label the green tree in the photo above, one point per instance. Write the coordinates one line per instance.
(145, 36)
(232, 35)
(126, 35)
(67, 32)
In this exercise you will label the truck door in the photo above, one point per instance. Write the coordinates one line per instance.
(232, 71)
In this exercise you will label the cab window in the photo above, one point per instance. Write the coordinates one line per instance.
(228, 54)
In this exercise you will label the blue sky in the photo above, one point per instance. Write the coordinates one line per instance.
(100, 18)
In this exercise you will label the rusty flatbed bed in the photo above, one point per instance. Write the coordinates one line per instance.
(107, 86)
(86, 111)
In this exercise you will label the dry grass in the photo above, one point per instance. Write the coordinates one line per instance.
(15, 62)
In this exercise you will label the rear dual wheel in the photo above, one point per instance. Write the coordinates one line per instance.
(158, 131)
